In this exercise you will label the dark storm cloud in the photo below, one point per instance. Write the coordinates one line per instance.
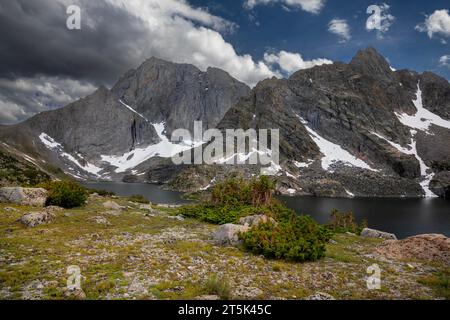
(44, 65)
(35, 41)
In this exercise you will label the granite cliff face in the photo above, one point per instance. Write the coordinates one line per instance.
(356, 129)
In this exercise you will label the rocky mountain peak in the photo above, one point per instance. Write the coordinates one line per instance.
(370, 61)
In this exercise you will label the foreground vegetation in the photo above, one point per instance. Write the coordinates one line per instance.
(150, 255)
(144, 251)
(285, 236)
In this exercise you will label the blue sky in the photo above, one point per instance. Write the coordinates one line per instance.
(300, 31)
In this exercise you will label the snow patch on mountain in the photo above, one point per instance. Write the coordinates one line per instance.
(425, 171)
(334, 153)
(424, 118)
(51, 144)
(163, 149)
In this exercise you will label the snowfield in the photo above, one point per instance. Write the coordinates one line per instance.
(424, 118)
(334, 153)
(163, 149)
(51, 144)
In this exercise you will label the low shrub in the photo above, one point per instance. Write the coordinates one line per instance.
(297, 239)
(214, 214)
(342, 222)
(138, 198)
(66, 194)
(218, 286)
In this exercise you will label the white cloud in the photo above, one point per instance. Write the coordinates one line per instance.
(383, 23)
(170, 29)
(341, 28)
(174, 34)
(438, 23)
(290, 62)
(312, 6)
(445, 61)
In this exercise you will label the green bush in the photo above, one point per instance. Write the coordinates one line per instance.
(297, 239)
(231, 192)
(138, 198)
(66, 194)
(342, 222)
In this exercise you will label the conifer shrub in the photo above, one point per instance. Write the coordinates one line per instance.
(342, 222)
(66, 194)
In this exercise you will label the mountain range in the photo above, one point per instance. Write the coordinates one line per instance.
(360, 129)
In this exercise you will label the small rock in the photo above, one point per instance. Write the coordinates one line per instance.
(99, 220)
(207, 297)
(320, 296)
(114, 213)
(247, 292)
(52, 209)
(9, 209)
(179, 218)
(228, 234)
(372, 233)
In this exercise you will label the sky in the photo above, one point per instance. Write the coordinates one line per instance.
(46, 65)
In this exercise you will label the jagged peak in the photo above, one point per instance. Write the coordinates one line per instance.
(371, 61)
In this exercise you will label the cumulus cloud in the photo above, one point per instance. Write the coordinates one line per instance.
(289, 62)
(312, 6)
(445, 61)
(341, 28)
(115, 35)
(436, 24)
(381, 19)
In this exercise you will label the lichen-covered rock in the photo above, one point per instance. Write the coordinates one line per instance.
(34, 219)
(372, 233)
(256, 220)
(228, 234)
(428, 247)
(35, 197)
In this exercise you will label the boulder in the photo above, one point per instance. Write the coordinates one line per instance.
(372, 233)
(427, 247)
(228, 234)
(112, 205)
(24, 196)
(255, 220)
(34, 219)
